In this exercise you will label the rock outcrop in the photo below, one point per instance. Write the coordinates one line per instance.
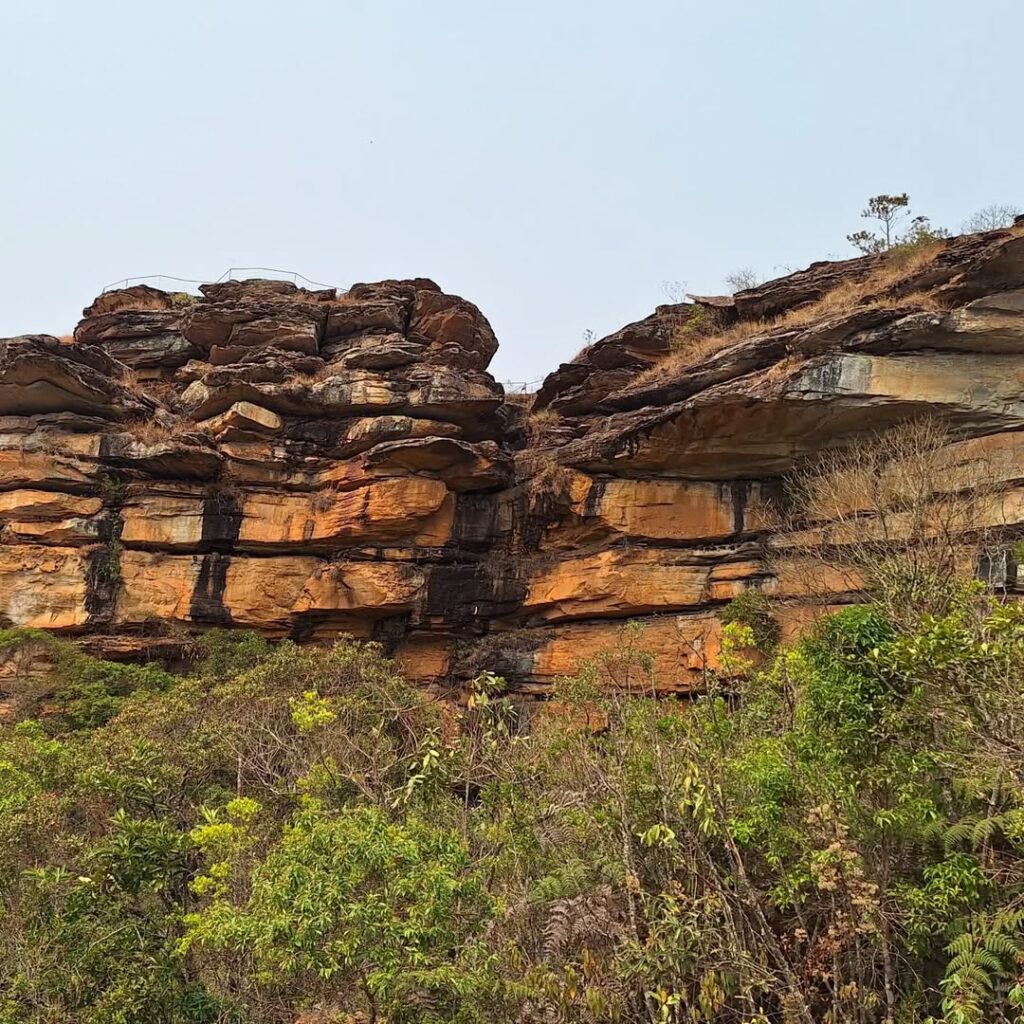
(305, 463)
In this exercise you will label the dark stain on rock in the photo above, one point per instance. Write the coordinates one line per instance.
(824, 375)
(740, 493)
(477, 524)
(222, 521)
(103, 572)
(390, 632)
(592, 506)
(103, 563)
(208, 597)
(463, 595)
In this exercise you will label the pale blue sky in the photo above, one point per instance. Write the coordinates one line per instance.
(553, 160)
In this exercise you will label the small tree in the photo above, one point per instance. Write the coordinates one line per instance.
(921, 232)
(348, 907)
(742, 278)
(888, 211)
(991, 218)
(674, 291)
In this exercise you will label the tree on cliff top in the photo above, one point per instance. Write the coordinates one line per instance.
(889, 211)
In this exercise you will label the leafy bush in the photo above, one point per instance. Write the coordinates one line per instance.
(295, 833)
(753, 609)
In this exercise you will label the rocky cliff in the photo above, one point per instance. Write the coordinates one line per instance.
(305, 463)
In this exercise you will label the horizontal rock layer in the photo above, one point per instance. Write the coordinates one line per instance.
(305, 463)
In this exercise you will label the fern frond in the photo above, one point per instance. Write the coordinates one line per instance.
(960, 832)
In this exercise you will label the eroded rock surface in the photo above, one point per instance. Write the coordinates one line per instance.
(306, 463)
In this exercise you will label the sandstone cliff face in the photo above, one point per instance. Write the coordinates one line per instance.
(305, 463)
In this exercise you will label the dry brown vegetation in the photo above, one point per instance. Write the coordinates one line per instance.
(912, 504)
(878, 290)
(547, 480)
(153, 431)
(165, 390)
(536, 424)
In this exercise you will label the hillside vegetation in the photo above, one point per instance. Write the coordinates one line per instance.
(296, 834)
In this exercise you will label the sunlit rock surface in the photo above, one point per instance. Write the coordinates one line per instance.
(308, 463)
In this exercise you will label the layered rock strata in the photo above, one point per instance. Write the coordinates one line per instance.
(305, 463)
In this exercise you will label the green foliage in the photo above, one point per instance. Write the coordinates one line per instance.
(699, 322)
(356, 900)
(225, 653)
(888, 211)
(92, 691)
(832, 832)
(108, 564)
(81, 692)
(921, 234)
(753, 609)
(112, 487)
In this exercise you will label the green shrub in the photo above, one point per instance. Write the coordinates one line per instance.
(752, 608)
(294, 831)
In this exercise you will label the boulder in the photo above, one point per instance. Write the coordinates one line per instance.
(348, 317)
(242, 419)
(142, 339)
(461, 465)
(137, 297)
(456, 332)
(242, 325)
(256, 289)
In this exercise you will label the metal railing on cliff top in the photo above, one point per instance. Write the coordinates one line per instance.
(228, 275)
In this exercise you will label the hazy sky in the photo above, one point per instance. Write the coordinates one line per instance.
(555, 161)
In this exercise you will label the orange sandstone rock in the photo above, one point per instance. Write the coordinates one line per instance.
(683, 648)
(622, 582)
(166, 522)
(667, 509)
(357, 469)
(43, 588)
(27, 505)
(387, 510)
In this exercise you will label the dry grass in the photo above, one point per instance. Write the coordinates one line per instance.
(164, 390)
(151, 431)
(897, 511)
(687, 350)
(535, 425)
(325, 372)
(547, 482)
(875, 291)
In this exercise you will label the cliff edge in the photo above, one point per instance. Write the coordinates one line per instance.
(305, 463)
